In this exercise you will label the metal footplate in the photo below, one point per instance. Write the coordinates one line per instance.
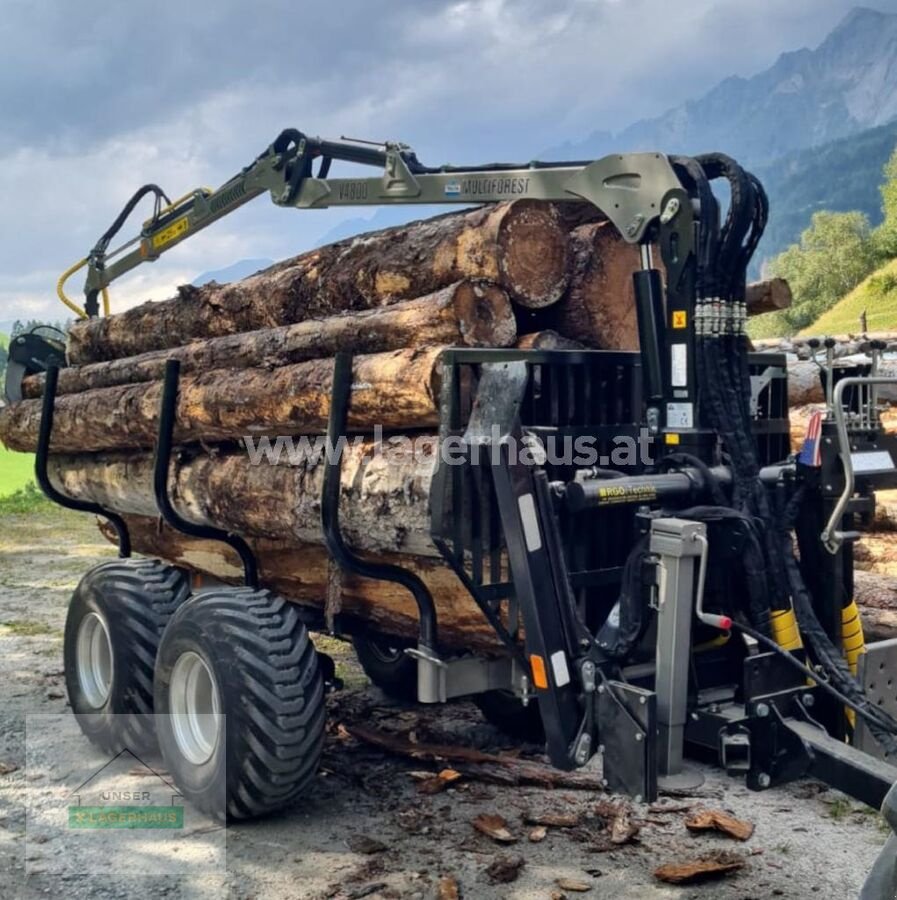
(876, 670)
(627, 724)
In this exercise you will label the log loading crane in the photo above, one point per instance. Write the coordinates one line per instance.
(699, 605)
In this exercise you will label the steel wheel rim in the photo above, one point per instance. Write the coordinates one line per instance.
(94, 660)
(194, 708)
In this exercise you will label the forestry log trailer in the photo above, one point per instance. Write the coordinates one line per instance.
(648, 611)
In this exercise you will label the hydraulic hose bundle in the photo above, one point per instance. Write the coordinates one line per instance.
(724, 252)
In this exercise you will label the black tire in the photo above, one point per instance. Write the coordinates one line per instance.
(270, 691)
(506, 712)
(132, 599)
(387, 665)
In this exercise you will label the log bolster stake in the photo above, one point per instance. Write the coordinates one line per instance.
(426, 653)
(161, 465)
(43, 479)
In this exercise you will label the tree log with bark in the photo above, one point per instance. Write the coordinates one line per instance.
(467, 313)
(302, 573)
(384, 497)
(547, 340)
(522, 246)
(599, 307)
(397, 391)
(768, 296)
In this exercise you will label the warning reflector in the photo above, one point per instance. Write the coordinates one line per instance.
(540, 676)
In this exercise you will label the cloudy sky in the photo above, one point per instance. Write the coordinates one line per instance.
(99, 98)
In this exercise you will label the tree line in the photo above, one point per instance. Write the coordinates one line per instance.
(834, 255)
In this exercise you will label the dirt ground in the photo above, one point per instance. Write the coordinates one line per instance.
(366, 829)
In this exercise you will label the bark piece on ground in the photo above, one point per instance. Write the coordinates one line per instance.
(436, 784)
(619, 827)
(703, 868)
(552, 820)
(505, 869)
(524, 771)
(717, 820)
(448, 888)
(574, 885)
(365, 845)
(495, 827)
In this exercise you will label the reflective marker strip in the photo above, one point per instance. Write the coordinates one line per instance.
(559, 667)
(527, 506)
(679, 365)
(540, 676)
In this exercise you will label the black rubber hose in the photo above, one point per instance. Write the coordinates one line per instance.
(122, 217)
(884, 737)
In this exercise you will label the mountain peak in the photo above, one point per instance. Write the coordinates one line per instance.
(861, 20)
(806, 98)
(859, 13)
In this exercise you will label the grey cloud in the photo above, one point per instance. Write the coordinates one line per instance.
(99, 98)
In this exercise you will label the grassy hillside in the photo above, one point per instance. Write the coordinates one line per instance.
(16, 470)
(877, 295)
(4, 340)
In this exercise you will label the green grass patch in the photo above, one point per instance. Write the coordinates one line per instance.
(28, 499)
(877, 295)
(769, 325)
(16, 470)
(839, 808)
(28, 628)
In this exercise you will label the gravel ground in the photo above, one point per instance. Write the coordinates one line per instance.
(808, 841)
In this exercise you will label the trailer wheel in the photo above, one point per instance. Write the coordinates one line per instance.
(387, 665)
(241, 700)
(112, 631)
(506, 712)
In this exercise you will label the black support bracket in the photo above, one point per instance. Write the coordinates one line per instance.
(43, 479)
(161, 465)
(341, 553)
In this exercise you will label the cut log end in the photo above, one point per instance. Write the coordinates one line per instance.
(535, 254)
(768, 296)
(484, 315)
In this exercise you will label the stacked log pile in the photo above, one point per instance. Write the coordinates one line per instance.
(256, 362)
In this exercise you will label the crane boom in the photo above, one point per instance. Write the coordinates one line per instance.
(632, 190)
